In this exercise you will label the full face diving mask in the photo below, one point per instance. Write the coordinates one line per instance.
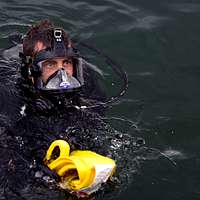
(59, 81)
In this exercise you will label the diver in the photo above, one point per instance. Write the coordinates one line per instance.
(54, 74)
(61, 92)
(55, 78)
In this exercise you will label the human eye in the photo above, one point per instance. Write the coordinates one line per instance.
(67, 61)
(49, 64)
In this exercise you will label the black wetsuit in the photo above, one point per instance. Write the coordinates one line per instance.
(23, 146)
(47, 118)
(24, 141)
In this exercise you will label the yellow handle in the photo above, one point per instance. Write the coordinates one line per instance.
(63, 147)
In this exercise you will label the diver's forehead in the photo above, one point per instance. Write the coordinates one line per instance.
(56, 59)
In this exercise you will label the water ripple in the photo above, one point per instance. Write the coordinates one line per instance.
(79, 18)
(174, 154)
(143, 74)
(144, 22)
(124, 7)
(185, 7)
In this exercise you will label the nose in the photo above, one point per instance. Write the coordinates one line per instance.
(60, 67)
(59, 64)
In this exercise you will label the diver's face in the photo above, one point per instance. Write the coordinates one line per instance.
(50, 66)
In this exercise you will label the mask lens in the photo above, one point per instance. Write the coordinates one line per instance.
(61, 80)
(59, 74)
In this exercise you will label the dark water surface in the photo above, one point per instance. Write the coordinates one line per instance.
(158, 44)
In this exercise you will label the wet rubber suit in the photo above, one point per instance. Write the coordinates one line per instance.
(23, 147)
(24, 142)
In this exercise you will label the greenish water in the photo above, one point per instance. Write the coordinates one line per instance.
(158, 44)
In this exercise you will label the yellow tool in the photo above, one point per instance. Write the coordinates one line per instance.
(81, 172)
